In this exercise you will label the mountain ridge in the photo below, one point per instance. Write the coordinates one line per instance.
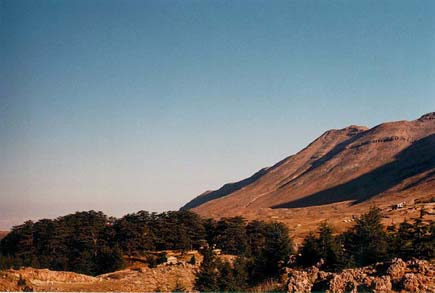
(351, 166)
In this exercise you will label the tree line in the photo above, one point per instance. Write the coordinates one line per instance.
(93, 243)
(367, 242)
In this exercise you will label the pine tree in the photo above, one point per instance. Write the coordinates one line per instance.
(240, 274)
(231, 235)
(329, 248)
(256, 235)
(309, 254)
(368, 241)
(276, 252)
(207, 279)
(226, 281)
(422, 240)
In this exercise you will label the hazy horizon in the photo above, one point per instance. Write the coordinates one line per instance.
(122, 106)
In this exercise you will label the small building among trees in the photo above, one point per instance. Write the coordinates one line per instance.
(399, 205)
(171, 260)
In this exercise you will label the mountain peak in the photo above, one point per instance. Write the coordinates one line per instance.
(428, 116)
(350, 130)
(337, 171)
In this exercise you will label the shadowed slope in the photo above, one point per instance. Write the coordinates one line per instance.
(352, 164)
(416, 159)
(223, 191)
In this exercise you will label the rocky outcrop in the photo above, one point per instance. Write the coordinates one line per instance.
(397, 269)
(397, 275)
(164, 278)
(428, 116)
(299, 281)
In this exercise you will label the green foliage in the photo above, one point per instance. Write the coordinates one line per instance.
(108, 260)
(226, 280)
(230, 235)
(240, 273)
(412, 240)
(325, 247)
(181, 230)
(76, 242)
(192, 260)
(256, 236)
(367, 241)
(152, 261)
(207, 278)
(92, 243)
(275, 253)
(133, 234)
(162, 258)
(309, 253)
(217, 275)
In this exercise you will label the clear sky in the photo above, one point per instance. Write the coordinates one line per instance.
(127, 105)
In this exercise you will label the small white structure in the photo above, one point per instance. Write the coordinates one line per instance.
(399, 205)
(171, 260)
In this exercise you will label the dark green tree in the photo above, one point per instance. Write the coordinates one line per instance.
(367, 243)
(256, 236)
(108, 260)
(206, 279)
(231, 235)
(19, 244)
(275, 254)
(330, 248)
(133, 234)
(240, 273)
(309, 253)
(226, 281)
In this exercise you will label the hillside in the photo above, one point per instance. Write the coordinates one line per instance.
(3, 234)
(136, 279)
(338, 175)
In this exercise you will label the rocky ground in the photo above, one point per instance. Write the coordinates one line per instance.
(164, 278)
(395, 276)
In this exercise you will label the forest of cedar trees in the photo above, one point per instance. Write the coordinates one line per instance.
(93, 243)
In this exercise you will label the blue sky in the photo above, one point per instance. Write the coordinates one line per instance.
(127, 105)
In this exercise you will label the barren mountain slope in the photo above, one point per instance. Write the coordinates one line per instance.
(3, 234)
(346, 168)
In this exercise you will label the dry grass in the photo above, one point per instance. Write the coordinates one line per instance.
(270, 285)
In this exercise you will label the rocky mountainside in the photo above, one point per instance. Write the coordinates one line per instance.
(349, 169)
(395, 276)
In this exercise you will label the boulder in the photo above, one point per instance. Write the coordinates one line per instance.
(397, 268)
(420, 266)
(416, 283)
(344, 282)
(381, 284)
(397, 275)
(299, 281)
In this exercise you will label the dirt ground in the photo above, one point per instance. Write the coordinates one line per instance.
(164, 278)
